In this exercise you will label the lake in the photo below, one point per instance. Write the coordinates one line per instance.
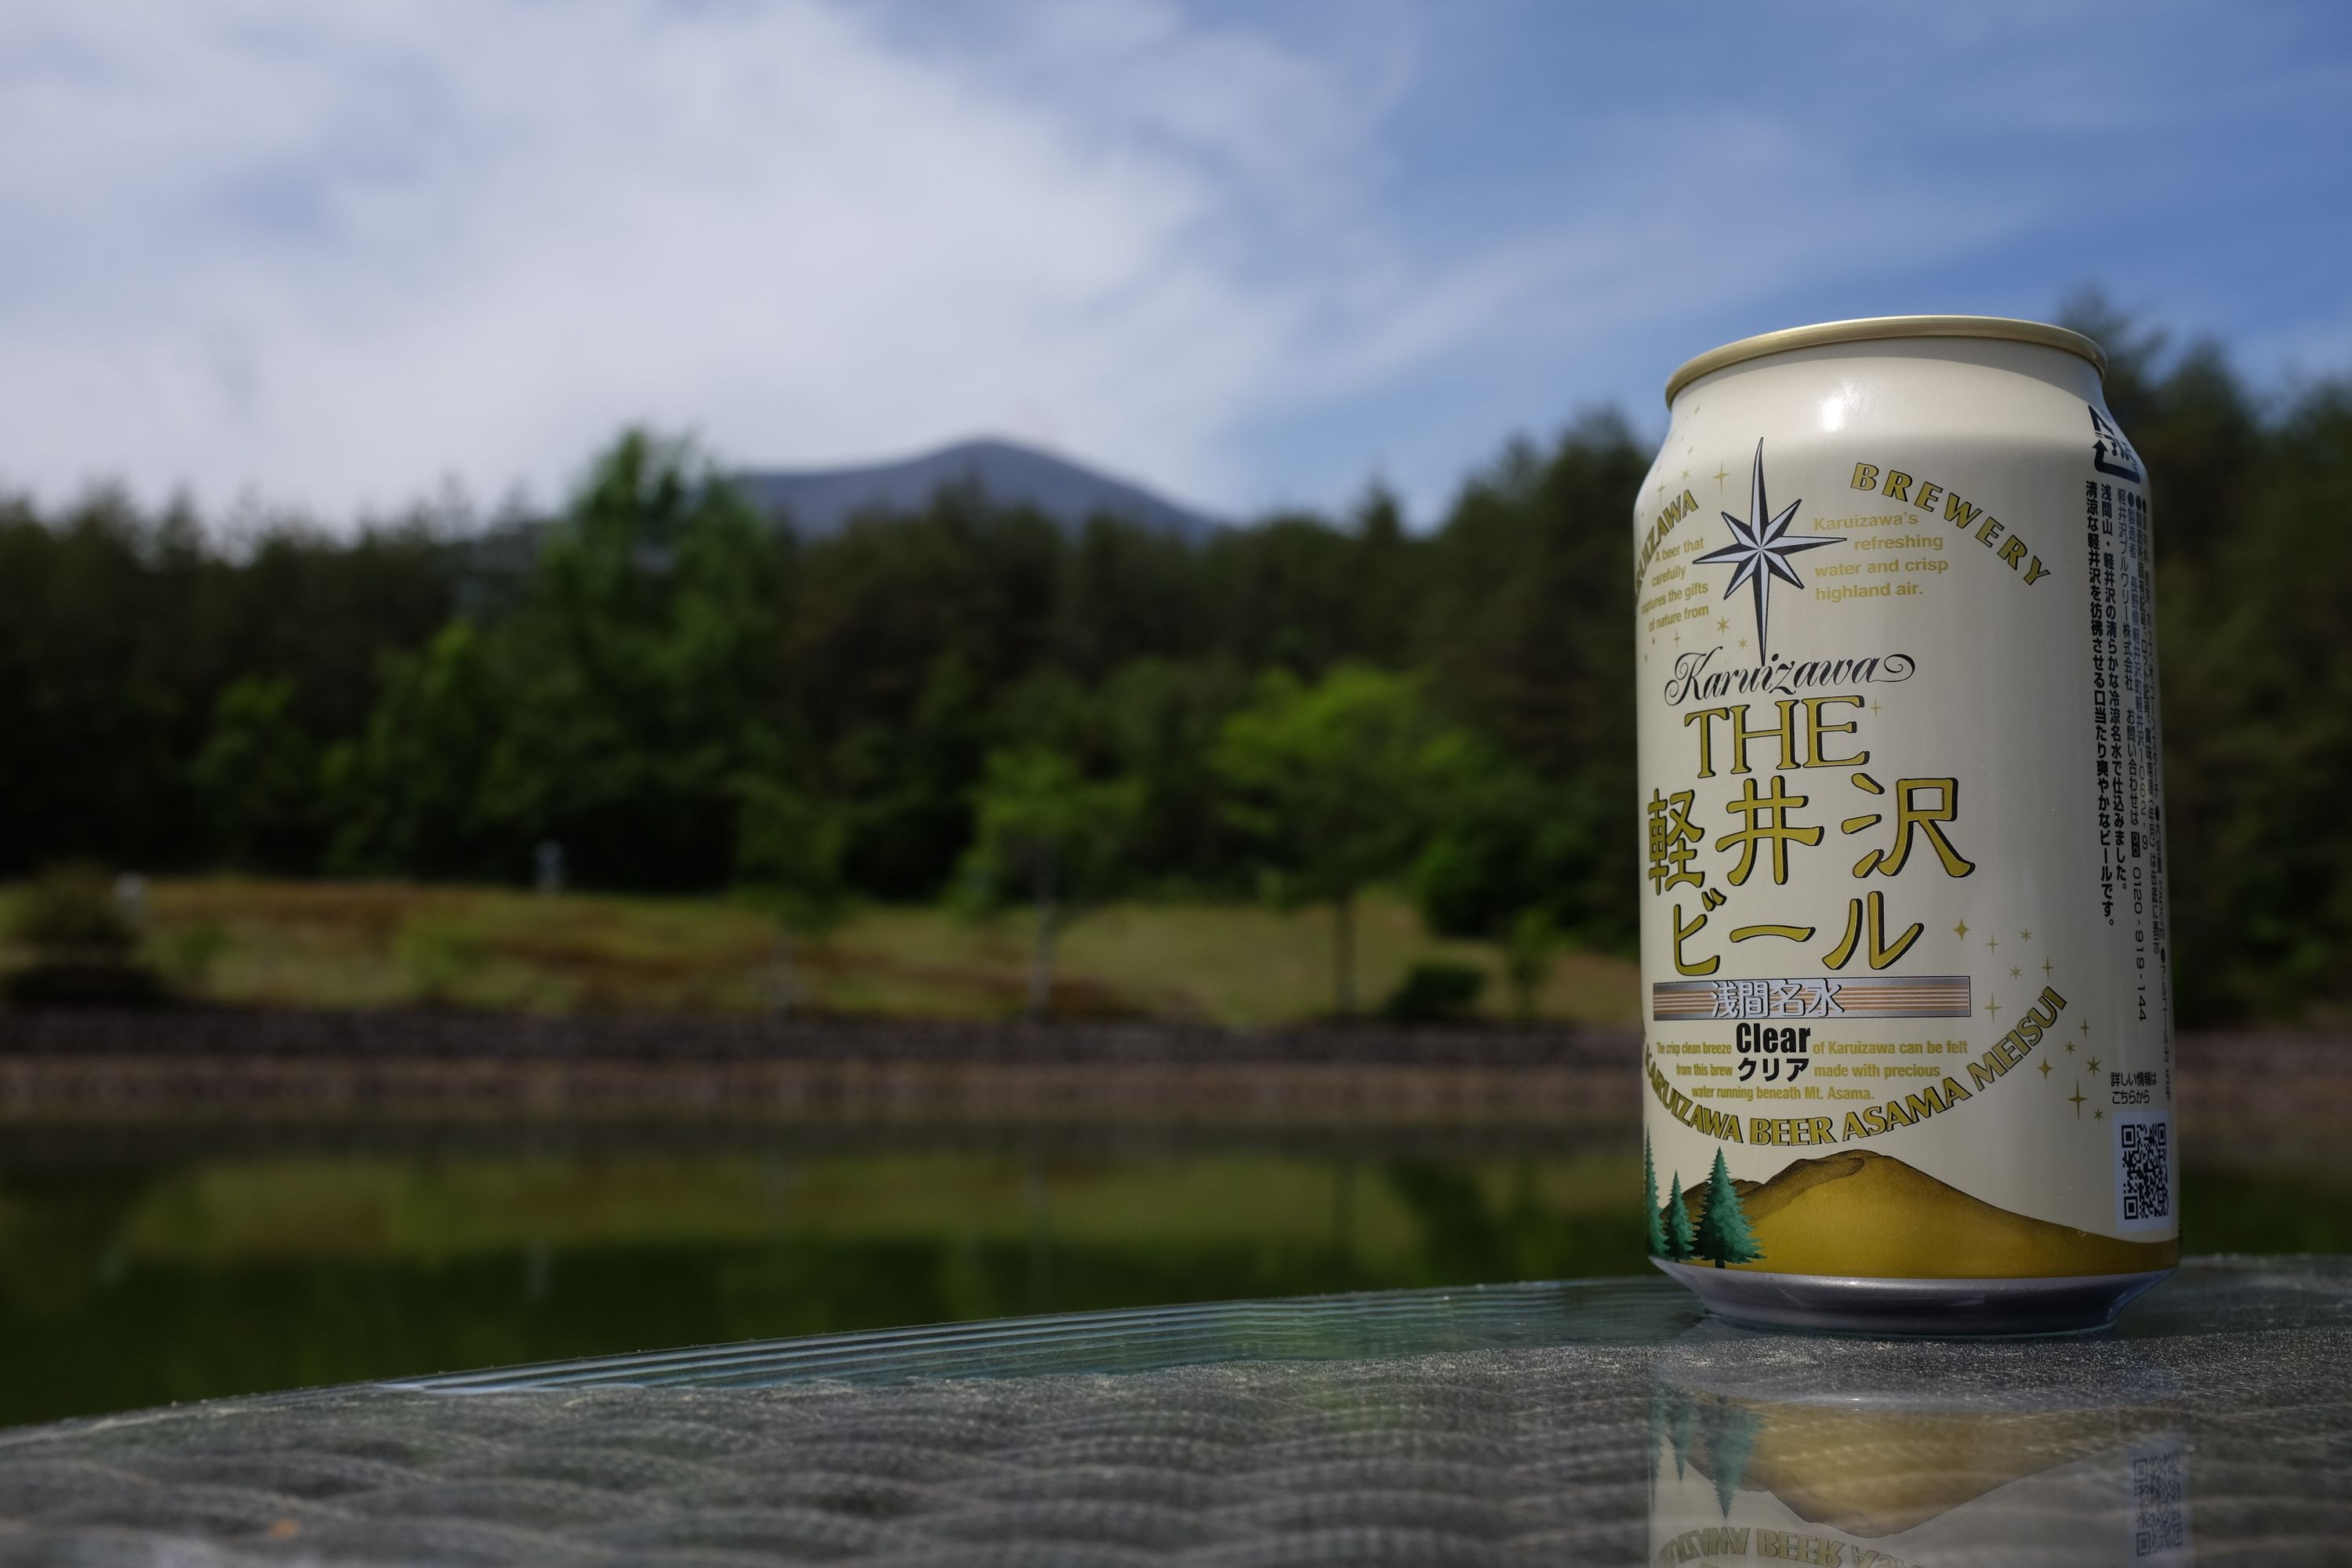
(138, 1267)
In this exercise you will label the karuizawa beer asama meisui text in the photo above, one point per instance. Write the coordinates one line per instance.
(1907, 1052)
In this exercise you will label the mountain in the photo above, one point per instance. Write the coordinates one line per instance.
(819, 501)
(1858, 1212)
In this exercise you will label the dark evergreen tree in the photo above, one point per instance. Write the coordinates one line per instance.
(258, 777)
(642, 671)
(1722, 1234)
(413, 792)
(1657, 1227)
(1677, 1225)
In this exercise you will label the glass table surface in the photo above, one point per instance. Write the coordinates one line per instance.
(1593, 1421)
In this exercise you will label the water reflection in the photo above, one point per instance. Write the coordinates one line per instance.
(146, 1264)
(1873, 1455)
(146, 1277)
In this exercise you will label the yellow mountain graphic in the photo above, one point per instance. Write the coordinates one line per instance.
(1872, 1215)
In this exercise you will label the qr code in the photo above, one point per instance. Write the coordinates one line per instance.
(2143, 1172)
(2159, 1511)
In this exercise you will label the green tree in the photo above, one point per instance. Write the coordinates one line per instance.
(1280, 595)
(1159, 721)
(1434, 992)
(1524, 631)
(1048, 834)
(1529, 952)
(1679, 1240)
(899, 636)
(414, 793)
(119, 634)
(1657, 1221)
(1503, 842)
(1331, 781)
(1723, 1236)
(642, 671)
(258, 773)
(99, 699)
(789, 850)
(1123, 594)
(2254, 665)
(607, 675)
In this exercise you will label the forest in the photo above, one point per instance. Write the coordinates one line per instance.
(971, 703)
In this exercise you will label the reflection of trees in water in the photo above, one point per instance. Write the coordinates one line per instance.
(1457, 1235)
(61, 1234)
(146, 1281)
(1517, 1233)
(1710, 1433)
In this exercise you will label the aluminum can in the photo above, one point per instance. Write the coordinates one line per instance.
(1907, 1040)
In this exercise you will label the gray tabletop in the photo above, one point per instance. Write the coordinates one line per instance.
(1595, 1422)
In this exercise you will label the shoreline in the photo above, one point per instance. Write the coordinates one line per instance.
(2266, 1099)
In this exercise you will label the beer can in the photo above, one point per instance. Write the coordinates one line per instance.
(1907, 1040)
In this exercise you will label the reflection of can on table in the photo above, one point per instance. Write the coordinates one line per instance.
(1872, 1455)
(1907, 1042)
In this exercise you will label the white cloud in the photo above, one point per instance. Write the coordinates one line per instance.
(335, 252)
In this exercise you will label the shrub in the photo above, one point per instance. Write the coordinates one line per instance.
(84, 952)
(1435, 992)
(70, 912)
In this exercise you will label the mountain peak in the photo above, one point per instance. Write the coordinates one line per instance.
(821, 501)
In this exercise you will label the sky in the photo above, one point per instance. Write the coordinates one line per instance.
(338, 257)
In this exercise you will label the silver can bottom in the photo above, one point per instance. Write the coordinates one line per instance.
(1853, 1305)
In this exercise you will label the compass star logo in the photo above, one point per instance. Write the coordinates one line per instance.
(1761, 547)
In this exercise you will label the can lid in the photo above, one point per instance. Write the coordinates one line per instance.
(1869, 329)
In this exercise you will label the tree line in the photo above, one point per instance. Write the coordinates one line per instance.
(972, 701)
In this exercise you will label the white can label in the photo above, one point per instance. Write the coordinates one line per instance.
(1903, 926)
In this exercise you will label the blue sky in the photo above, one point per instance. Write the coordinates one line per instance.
(340, 257)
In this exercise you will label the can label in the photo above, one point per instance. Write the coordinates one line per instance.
(1903, 937)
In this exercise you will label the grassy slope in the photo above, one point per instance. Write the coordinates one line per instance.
(379, 945)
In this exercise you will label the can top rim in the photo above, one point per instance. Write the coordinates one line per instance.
(1871, 328)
